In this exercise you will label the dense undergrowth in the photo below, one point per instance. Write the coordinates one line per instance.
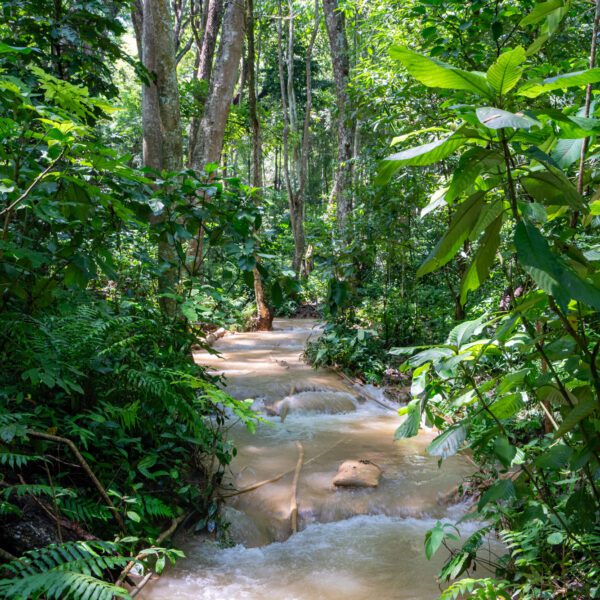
(108, 430)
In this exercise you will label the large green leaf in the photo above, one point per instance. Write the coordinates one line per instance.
(549, 271)
(435, 73)
(541, 11)
(551, 188)
(433, 539)
(496, 118)
(556, 457)
(410, 425)
(488, 215)
(479, 268)
(501, 490)
(505, 73)
(448, 443)
(471, 164)
(463, 332)
(567, 152)
(508, 406)
(560, 82)
(421, 156)
(460, 227)
(505, 451)
(581, 411)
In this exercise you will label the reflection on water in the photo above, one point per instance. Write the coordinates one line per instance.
(352, 544)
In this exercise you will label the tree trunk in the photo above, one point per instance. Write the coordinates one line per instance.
(216, 110)
(338, 43)
(206, 52)
(264, 321)
(211, 131)
(289, 120)
(306, 129)
(161, 124)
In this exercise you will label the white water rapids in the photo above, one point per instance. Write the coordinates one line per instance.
(356, 544)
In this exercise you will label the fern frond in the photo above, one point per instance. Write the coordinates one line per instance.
(83, 510)
(157, 508)
(81, 556)
(32, 489)
(482, 589)
(17, 460)
(59, 585)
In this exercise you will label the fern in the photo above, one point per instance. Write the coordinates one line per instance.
(59, 585)
(157, 508)
(30, 489)
(16, 460)
(83, 509)
(69, 570)
(482, 589)
(6, 508)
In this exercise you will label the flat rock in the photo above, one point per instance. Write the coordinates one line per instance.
(357, 473)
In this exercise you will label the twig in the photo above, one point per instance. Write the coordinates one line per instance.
(86, 467)
(294, 498)
(141, 584)
(163, 536)
(255, 486)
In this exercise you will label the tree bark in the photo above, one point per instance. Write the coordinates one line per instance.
(161, 124)
(211, 131)
(216, 110)
(303, 179)
(264, 321)
(338, 43)
(289, 120)
(206, 52)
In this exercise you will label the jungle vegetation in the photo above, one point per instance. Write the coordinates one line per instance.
(423, 175)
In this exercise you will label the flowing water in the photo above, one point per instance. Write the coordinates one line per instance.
(352, 543)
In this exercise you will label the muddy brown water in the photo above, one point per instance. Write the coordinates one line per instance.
(355, 544)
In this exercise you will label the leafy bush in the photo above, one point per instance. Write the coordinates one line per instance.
(518, 387)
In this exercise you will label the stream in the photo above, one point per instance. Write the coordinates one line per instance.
(352, 543)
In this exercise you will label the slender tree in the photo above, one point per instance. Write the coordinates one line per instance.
(291, 162)
(216, 109)
(206, 42)
(338, 43)
(161, 122)
(208, 140)
(264, 313)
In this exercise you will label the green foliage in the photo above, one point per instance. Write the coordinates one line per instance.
(88, 355)
(520, 388)
(69, 570)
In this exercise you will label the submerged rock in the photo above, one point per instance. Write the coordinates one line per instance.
(327, 402)
(357, 473)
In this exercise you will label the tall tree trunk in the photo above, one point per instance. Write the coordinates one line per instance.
(289, 120)
(161, 124)
(216, 110)
(303, 179)
(206, 52)
(338, 43)
(211, 131)
(264, 321)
